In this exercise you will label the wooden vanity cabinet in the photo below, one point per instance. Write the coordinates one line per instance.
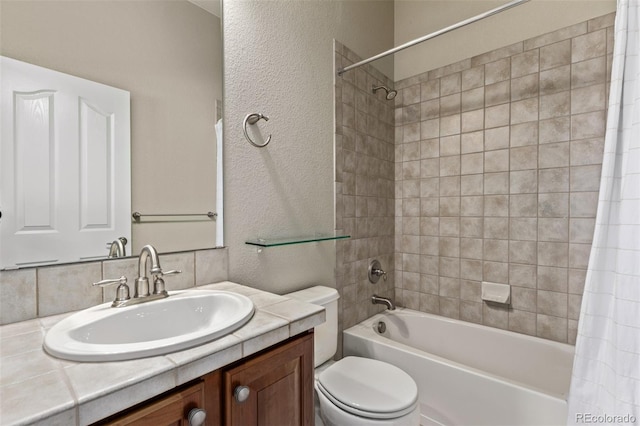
(168, 410)
(277, 384)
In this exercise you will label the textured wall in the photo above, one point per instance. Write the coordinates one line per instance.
(497, 174)
(415, 18)
(279, 61)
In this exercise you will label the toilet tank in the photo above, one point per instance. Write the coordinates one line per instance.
(326, 334)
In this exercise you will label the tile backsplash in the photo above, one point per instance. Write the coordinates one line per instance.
(36, 292)
(497, 171)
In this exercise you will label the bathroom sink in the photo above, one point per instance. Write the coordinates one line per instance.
(185, 319)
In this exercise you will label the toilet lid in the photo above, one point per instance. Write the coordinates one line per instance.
(369, 388)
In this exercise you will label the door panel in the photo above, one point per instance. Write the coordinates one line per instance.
(65, 166)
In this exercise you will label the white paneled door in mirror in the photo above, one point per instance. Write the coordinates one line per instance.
(64, 157)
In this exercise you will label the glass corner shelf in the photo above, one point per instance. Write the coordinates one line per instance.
(275, 242)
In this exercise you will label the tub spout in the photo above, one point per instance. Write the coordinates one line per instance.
(383, 301)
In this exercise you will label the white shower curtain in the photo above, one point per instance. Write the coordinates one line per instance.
(605, 385)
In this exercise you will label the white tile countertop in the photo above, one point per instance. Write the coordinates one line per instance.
(36, 388)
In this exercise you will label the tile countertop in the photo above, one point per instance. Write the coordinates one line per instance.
(36, 388)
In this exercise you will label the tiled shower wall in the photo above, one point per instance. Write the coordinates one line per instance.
(498, 162)
(364, 180)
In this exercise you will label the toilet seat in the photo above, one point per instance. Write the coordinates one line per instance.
(369, 388)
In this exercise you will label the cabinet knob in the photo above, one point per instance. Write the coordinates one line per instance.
(196, 417)
(241, 393)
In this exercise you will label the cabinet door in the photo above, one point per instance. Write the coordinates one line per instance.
(280, 384)
(172, 410)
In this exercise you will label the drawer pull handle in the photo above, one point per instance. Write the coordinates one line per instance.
(241, 393)
(197, 416)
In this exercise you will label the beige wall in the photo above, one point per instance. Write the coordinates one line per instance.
(168, 54)
(415, 18)
(279, 61)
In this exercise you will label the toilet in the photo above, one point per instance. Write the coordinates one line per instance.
(356, 390)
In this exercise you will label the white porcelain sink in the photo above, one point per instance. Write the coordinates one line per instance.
(184, 319)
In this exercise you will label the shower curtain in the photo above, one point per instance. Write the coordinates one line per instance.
(605, 385)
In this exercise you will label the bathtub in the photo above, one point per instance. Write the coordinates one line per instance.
(469, 374)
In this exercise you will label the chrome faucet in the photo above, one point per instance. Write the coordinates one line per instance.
(116, 249)
(141, 287)
(376, 300)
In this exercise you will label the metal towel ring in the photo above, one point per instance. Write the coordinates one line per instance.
(253, 119)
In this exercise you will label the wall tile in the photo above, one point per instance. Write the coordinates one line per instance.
(496, 161)
(555, 130)
(450, 84)
(18, 300)
(450, 104)
(552, 303)
(524, 134)
(496, 183)
(523, 205)
(553, 205)
(523, 158)
(473, 78)
(589, 46)
(523, 252)
(553, 229)
(583, 204)
(524, 111)
(553, 180)
(589, 72)
(555, 105)
(498, 138)
(525, 63)
(430, 90)
(496, 116)
(553, 279)
(522, 275)
(585, 178)
(555, 55)
(473, 99)
(497, 93)
(524, 87)
(68, 288)
(522, 322)
(497, 71)
(553, 155)
(510, 151)
(524, 229)
(523, 182)
(471, 185)
(555, 80)
(587, 152)
(588, 99)
(471, 227)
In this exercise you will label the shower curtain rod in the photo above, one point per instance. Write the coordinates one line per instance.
(434, 34)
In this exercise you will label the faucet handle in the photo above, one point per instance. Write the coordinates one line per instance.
(104, 283)
(158, 282)
(122, 292)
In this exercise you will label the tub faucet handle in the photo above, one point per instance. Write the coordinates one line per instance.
(376, 271)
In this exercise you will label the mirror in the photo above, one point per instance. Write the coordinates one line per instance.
(168, 55)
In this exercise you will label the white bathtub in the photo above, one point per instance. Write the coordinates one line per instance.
(469, 374)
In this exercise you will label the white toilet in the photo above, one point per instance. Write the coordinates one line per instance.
(355, 390)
